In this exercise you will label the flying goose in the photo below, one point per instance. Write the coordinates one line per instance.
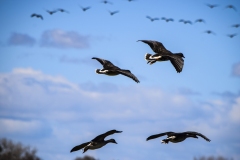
(232, 35)
(212, 5)
(51, 12)
(167, 19)
(236, 25)
(105, 2)
(113, 12)
(152, 19)
(185, 21)
(112, 70)
(97, 142)
(209, 32)
(231, 7)
(37, 15)
(200, 20)
(85, 8)
(62, 10)
(162, 54)
(177, 137)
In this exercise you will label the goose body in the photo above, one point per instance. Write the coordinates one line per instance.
(162, 54)
(37, 15)
(112, 70)
(97, 142)
(177, 137)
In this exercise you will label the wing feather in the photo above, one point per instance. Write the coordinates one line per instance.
(102, 136)
(128, 74)
(199, 134)
(76, 148)
(158, 135)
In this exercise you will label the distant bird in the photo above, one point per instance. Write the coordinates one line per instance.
(212, 5)
(185, 21)
(152, 19)
(167, 19)
(236, 25)
(112, 13)
(62, 10)
(51, 12)
(97, 142)
(200, 20)
(209, 32)
(162, 54)
(131, 0)
(112, 70)
(231, 7)
(85, 8)
(37, 15)
(107, 2)
(232, 35)
(178, 137)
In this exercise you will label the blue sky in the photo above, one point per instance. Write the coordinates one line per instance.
(52, 99)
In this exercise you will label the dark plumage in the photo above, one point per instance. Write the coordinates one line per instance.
(152, 19)
(167, 19)
(231, 7)
(232, 35)
(62, 10)
(209, 32)
(37, 15)
(212, 5)
(162, 54)
(177, 137)
(51, 12)
(107, 2)
(236, 25)
(85, 8)
(200, 20)
(185, 21)
(97, 142)
(113, 12)
(112, 70)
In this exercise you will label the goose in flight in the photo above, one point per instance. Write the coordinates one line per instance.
(212, 5)
(232, 35)
(62, 10)
(177, 137)
(236, 25)
(200, 20)
(97, 142)
(231, 7)
(85, 8)
(106, 2)
(209, 32)
(185, 21)
(167, 19)
(113, 12)
(37, 15)
(51, 12)
(152, 19)
(162, 54)
(112, 70)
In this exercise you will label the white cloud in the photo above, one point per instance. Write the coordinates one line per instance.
(21, 39)
(79, 113)
(64, 39)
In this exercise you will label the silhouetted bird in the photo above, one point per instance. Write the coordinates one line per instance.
(107, 2)
(236, 25)
(51, 12)
(97, 142)
(37, 15)
(112, 70)
(85, 8)
(177, 137)
(131, 0)
(231, 7)
(232, 35)
(185, 21)
(162, 54)
(212, 5)
(62, 10)
(209, 32)
(200, 20)
(112, 13)
(167, 19)
(152, 19)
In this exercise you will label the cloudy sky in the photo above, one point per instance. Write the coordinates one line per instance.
(52, 99)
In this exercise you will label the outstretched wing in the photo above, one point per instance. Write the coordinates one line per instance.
(199, 134)
(102, 136)
(177, 62)
(76, 148)
(158, 135)
(106, 64)
(156, 46)
(128, 74)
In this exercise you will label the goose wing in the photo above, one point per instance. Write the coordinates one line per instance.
(128, 74)
(102, 136)
(76, 148)
(158, 135)
(106, 64)
(199, 134)
(177, 63)
(156, 46)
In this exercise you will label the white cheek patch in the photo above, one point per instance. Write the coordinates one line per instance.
(157, 57)
(171, 137)
(105, 71)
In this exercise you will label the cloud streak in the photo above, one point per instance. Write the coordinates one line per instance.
(19, 39)
(236, 69)
(58, 38)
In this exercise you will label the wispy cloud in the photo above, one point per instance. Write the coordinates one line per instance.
(236, 69)
(21, 39)
(79, 112)
(64, 39)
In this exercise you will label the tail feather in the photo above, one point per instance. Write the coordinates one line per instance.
(147, 56)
